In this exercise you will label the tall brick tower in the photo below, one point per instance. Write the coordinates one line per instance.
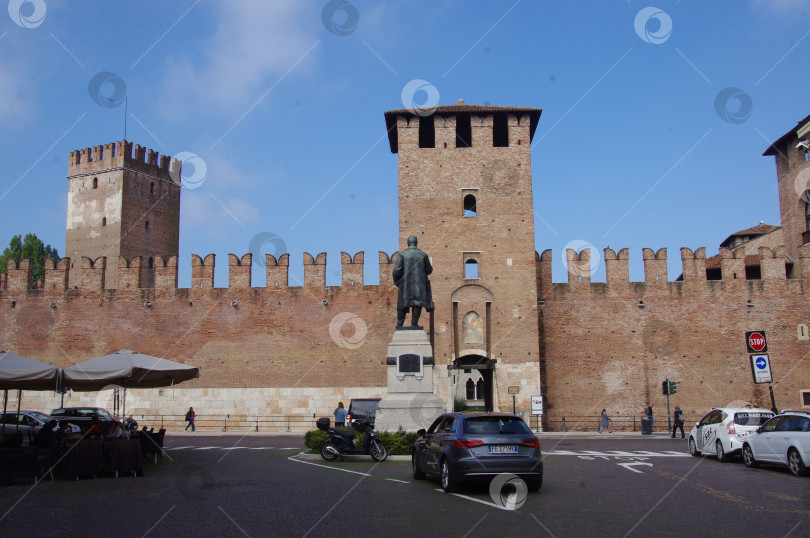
(793, 175)
(465, 192)
(120, 204)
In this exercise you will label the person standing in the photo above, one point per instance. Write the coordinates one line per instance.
(340, 415)
(649, 412)
(678, 419)
(605, 422)
(190, 416)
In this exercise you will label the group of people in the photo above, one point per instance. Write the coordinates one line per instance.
(677, 417)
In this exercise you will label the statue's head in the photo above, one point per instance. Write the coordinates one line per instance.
(412, 241)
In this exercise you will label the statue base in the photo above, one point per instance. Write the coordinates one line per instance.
(410, 403)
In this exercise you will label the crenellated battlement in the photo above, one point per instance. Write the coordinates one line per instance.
(131, 273)
(123, 154)
(732, 265)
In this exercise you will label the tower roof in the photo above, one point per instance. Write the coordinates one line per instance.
(460, 108)
(773, 149)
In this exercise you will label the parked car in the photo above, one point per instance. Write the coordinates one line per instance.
(362, 409)
(723, 430)
(461, 447)
(785, 439)
(26, 422)
(82, 416)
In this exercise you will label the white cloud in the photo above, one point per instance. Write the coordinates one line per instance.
(253, 43)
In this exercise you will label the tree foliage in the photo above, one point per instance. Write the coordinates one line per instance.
(32, 247)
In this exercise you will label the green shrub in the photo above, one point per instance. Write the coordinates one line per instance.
(459, 404)
(397, 443)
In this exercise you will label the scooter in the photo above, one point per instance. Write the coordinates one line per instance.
(338, 443)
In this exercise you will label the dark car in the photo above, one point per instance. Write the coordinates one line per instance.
(82, 416)
(461, 447)
(362, 409)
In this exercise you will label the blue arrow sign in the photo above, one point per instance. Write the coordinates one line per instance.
(761, 363)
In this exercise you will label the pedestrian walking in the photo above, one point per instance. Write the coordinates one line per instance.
(678, 419)
(605, 423)
(190, 416)
(340, 415)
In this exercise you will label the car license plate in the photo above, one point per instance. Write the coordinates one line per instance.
(502, 449)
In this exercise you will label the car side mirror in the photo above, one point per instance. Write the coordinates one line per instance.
(421, 432)
(759, 429)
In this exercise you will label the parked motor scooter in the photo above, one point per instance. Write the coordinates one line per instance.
(339, 442)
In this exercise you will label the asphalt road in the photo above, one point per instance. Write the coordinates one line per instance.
(257, 486)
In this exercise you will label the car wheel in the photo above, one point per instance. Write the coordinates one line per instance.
(418, 474)
(378, 451)
(326, 451)
(693, 447)
(448, 484)
(795, 463)
(720, 451)
(748, 456)
(534, 483)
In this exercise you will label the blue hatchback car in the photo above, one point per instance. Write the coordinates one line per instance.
(461, 447)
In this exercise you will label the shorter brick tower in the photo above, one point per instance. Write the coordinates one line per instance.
(120, 204)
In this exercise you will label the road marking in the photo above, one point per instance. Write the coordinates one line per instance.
(292, 458)
(400, 481)
(630, 466)
(494, 505)
(619, 453)
(192, 447)
(234, 447)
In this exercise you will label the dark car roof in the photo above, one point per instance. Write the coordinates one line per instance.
(481, 414)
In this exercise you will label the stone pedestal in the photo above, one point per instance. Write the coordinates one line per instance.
(410, 403)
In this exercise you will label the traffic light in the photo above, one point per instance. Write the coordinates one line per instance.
(664, 388)
(673, 387)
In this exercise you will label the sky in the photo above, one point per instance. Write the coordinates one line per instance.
(655, 116)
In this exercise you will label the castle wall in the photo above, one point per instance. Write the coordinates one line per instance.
(610, 345)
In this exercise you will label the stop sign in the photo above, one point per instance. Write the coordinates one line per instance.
(755, 340)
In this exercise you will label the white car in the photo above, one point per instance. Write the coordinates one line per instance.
(723, 430)
(785, 439)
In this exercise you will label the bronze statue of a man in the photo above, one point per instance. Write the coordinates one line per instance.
(411, 277)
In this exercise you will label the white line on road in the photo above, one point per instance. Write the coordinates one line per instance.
(619, 453)
(328, 467)
(475, 500)
(630, 466)
(400, 481)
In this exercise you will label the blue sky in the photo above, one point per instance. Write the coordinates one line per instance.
(283, 103)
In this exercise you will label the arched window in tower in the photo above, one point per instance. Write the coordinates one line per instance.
(470, 209)
(152, 188)
(95, 182)
(807, 210)
(472, 328)
(471, 269)
(479, 390)
(146, 225)
(103, 221)
(470, 386)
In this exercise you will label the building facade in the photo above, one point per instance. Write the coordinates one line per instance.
(500, 323)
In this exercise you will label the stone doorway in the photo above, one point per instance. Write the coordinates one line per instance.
(486, 368)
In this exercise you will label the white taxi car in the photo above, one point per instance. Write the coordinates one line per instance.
(723, 430)
(785, 439)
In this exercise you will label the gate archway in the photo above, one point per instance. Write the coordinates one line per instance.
(487, 369)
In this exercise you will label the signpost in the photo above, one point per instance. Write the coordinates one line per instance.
(757, 345)
(537, 409)
(513, 389)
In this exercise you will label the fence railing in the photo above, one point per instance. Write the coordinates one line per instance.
(229, 422)
(625, 423)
